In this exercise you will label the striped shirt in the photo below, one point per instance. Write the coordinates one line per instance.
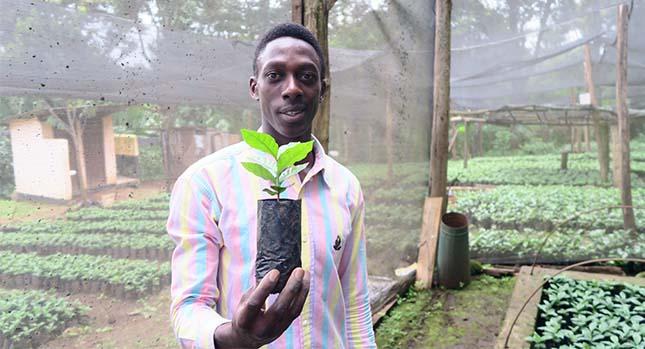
(213, 221)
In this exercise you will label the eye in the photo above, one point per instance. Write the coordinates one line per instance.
(272, 75)
(308, 76)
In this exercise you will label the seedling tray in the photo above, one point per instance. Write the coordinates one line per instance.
(525, 285)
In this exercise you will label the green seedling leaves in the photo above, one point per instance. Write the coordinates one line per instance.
(280, 162)
(258, 170)
(260, 141)
(593, 314)
(291, 171)
(293, 153)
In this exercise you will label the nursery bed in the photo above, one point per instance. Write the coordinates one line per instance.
(527, 283)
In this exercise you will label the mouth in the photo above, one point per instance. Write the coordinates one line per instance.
(293, 111)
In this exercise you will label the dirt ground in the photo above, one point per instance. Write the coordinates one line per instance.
(114, 323)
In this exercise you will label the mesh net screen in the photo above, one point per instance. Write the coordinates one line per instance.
(176, 75)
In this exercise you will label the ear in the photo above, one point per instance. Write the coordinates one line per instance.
(253, 88)
(323, 89)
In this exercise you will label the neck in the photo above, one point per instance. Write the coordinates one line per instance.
(281, 139)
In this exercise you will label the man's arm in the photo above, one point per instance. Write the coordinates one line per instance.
(353, 277)
(191, 224)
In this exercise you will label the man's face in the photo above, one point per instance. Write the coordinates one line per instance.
(288, 87)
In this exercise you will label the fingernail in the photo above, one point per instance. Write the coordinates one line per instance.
(274, 275)
(299, 273)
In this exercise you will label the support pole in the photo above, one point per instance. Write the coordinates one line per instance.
(623, 117)
(615, 156)
(441, 107)
(564, 158)
(389, 135)
(466, 150)
(480, 139)
(601, 128)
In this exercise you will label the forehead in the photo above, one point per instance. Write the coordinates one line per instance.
(288, 48)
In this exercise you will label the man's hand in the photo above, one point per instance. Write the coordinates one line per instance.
(252, 325)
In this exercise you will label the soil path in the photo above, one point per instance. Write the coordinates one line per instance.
(113, 323)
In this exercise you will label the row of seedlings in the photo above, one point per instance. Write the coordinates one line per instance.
(126, 279)
(130, 246)
(31, 318)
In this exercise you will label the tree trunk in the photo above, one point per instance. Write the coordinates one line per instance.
(315, 16)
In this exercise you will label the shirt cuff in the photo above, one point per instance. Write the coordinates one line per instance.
(197, 330)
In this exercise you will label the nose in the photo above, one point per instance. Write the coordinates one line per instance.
(291, 90)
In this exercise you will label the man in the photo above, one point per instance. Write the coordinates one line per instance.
(215, 302)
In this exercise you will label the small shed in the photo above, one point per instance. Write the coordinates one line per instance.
(182, 146)
(44, 160)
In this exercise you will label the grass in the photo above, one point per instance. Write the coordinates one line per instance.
(468, 318)
(14, 209)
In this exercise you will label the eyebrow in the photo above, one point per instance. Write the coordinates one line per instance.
(281, 64)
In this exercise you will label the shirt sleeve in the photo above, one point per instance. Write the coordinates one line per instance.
(192, 225)
(353, 277)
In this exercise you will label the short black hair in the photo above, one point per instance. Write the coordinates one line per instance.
(295, 31)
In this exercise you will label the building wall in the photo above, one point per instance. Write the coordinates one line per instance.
(40, 164)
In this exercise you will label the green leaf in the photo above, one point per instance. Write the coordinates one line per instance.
(291, 171)
(260, 141)
(293, 154)
(258, 170)
(278, 189)
(265, 161)
(283, 148)
(271, 192)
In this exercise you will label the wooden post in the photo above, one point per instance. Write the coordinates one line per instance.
(389, 142)
(480, 139)
(314, 14)
(587, 142)
(629, 221)
(441, 107)
(466, 150)
(564, 158)
(346, 135)
(428, 240)
(600, 127)
(615, 156)
(452, 145)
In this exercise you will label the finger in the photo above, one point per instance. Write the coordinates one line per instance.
(257, 297)
(289, 293)
(299, 302)
(242, 319)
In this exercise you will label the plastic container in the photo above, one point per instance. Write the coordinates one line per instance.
(453, 256)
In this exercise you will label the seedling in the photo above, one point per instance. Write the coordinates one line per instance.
(280, 163)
